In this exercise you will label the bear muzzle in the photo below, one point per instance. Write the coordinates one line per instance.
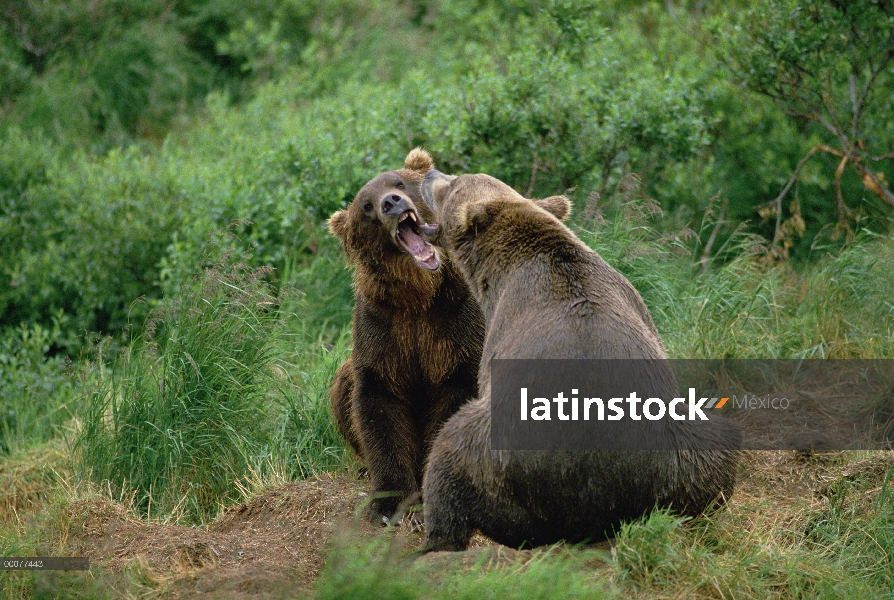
(434, 186)
(411, 233)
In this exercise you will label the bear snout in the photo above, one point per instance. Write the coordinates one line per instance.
(394, 204)
(433, 180)
(431, 175)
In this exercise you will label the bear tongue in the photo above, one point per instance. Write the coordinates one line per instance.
(419, 249)
(414, 244)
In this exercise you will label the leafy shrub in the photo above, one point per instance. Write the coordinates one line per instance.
(91, 241)
(38, 395)
(555, 106)
(827, 66)
(107, 70)
(565, 102)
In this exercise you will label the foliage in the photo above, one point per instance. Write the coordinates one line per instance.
(777, 311)
(110, 67)
(563, 96)
(827, 63)
(38, 395)
(661, 553)
(86, 241)
(864, 533)
(134, 135)
(555, 105)
(111, 71)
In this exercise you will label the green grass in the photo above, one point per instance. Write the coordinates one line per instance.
(857, 529)
(204, 400)
(738, 305)
(840, 547)
(378, 569)
(227, 395)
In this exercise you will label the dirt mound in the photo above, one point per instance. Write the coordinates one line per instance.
(277, 543)
(279, 538)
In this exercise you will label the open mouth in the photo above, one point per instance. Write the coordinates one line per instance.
(409, 236)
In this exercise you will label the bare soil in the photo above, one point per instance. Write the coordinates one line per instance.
(263, 548)
(276, 544)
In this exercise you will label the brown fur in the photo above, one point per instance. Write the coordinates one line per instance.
(545, 294)
(417, 341)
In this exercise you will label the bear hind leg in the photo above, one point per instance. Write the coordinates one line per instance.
(449, 506)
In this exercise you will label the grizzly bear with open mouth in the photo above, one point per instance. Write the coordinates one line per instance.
(417, 336)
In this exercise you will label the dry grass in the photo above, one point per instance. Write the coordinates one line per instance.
(277, 543)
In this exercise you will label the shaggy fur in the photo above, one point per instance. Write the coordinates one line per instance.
(417, 336)
(545, 294)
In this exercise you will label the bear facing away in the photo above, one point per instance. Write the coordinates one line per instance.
(545, 294)
(417, 335)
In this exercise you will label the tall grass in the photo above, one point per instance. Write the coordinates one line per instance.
(185, 412)
(757, 550)
(738, 305)
(856, 529)
(307, 440)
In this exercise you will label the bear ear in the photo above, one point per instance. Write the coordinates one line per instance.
(477, 215)
(419, 160)
(338, 225)
(558, 206)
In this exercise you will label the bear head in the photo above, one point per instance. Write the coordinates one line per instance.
(387, 220)
(470, 203)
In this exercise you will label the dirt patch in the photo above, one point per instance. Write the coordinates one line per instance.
(279, 538)
(276, 544)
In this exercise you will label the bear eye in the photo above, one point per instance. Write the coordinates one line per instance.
(399, 185)
(367, 207)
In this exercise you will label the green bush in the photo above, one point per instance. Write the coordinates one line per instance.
(827, 67)
(90, 241)
(38, 394)
(561, 97)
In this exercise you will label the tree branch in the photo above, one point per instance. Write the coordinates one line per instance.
(872, 183)
(788, 185)
(843, 211)
(877, 71)
(794, 177)
(855, 106)
(706, 255)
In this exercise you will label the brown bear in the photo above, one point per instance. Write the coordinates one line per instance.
(417, 336)
(545, 294)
